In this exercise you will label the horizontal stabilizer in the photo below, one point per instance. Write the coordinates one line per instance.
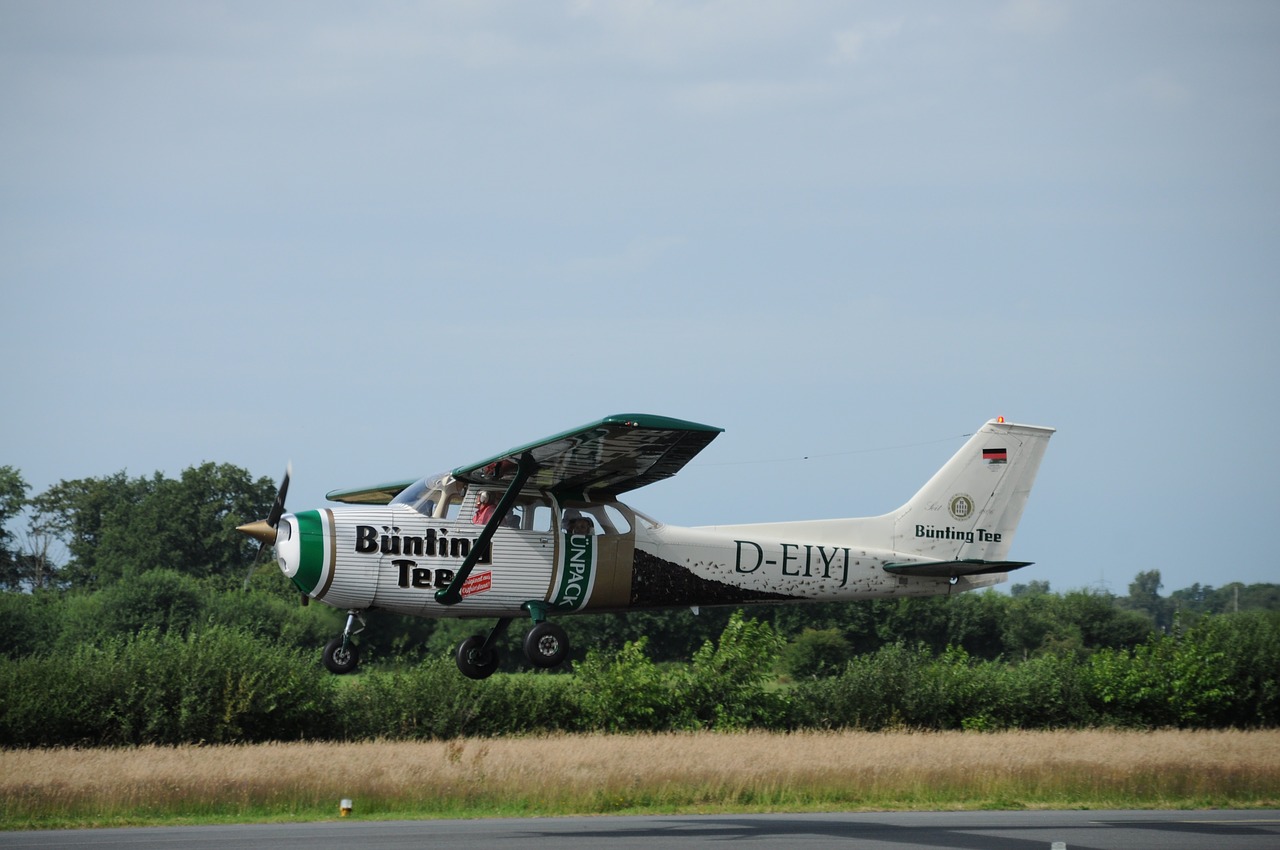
(951, 569)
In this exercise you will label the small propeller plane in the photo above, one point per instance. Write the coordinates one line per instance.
(537, 532)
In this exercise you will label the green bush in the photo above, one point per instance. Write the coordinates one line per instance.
(214, 686)
(1222, 672)
(624, 691)
(433, 701)
(27, 620)
(270, 617)
(899, 686)
(48, 701)
(159, 600)
(724, 688)
(1249, 644)
(218, 684)
(870, 693)
(816, 653)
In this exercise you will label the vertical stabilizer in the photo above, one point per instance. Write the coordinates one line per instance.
(971, 507)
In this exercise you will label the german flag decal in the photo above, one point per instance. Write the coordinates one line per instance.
(995, 455)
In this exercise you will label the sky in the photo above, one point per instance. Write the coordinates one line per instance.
(386, 239)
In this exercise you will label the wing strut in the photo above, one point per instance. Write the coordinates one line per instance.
(452, 594)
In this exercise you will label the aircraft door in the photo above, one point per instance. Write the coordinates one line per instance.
(595, 548)
(519, 565)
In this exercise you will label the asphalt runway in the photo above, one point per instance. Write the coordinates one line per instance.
(1056, 830)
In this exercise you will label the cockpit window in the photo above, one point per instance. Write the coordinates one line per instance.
(423, 495)
(615, 520)
(536, 516)
(529, 512)
(597, 518)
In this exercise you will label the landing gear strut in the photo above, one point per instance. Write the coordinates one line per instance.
(545, 645)
(342, 654)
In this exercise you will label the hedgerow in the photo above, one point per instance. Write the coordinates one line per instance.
(218, 684)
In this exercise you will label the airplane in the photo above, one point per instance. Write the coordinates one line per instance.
(537, 532)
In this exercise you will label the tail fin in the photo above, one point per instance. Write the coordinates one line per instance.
(960, 523)
(970, 509)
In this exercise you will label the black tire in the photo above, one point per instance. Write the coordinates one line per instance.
(474, 661)
(546, 645)
(339, 660)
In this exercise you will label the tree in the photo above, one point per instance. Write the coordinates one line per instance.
(36, 563)
(1031, 588)
(1031, 626)
(13, 498)
(189, 523)
(1144, 596)
(78, 513)
(1228, 599)
(1101, 623)
(115, 527)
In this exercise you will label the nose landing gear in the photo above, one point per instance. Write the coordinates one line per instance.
(342, 654)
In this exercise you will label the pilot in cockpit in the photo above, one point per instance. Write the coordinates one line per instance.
(484, 507)
(575, 523)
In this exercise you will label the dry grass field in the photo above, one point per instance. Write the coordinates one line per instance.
(625, 773)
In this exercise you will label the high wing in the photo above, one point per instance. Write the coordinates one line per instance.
(379, 494)
(601, 459)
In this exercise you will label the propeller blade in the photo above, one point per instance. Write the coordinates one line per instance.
(253, 564)
(264, 530)
(277, 509)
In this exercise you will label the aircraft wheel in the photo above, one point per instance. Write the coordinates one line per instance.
(546, 645)
(340, 660)
(475, 662)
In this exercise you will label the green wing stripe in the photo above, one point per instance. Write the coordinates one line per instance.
(311, 561)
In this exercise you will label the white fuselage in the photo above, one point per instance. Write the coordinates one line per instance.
(394, 558)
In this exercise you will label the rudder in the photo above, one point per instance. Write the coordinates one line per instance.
(969, 510)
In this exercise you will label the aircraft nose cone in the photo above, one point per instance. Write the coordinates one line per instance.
(288, 546)
(262, 531)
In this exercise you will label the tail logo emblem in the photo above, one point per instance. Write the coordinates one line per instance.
(961, 507)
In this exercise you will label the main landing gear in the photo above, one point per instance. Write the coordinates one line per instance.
(545, 645)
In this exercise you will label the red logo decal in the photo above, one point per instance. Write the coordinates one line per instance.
(477, 583)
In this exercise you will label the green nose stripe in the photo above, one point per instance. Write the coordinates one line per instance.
(311, 559)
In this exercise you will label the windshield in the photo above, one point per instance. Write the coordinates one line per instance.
(423, 495)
